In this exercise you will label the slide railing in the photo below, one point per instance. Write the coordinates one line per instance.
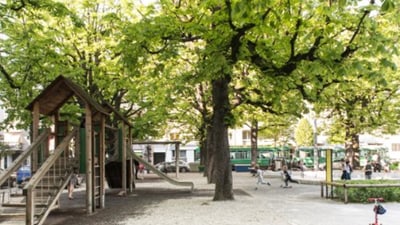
(159, 173)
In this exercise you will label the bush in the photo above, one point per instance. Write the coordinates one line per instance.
(394, 166)
(390, 194)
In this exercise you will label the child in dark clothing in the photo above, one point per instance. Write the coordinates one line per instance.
(286, 177)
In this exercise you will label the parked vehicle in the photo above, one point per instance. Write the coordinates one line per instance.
(23, 174)
(171, 167)
(10, 182)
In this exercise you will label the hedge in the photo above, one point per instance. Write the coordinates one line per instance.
(389, 194)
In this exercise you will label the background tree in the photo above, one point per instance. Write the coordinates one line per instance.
(78, 39)
(368, 97)
(304, 134)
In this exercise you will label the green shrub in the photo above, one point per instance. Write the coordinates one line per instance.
(394, 166)
(390, 194)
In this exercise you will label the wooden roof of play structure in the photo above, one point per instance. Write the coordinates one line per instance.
(58, 93)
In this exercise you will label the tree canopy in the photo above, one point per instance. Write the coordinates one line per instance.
(193, 63)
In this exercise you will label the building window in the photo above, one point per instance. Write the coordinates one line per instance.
(396, 147)
(182, 155)
(246, 137)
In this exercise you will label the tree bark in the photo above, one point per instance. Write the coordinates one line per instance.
(222, 173)
(253, 139)
(209, 169)
(352, 146)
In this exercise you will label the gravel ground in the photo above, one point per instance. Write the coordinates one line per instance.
(154, 201)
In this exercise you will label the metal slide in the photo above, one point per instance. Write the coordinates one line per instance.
(161, 174)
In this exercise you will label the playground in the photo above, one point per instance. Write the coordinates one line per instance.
(155, 201)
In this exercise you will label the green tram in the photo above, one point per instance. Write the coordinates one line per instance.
(306, 154)
(241, 155)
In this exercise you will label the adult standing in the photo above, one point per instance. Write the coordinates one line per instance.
(136, 168)
(346, 170)
(368, 170)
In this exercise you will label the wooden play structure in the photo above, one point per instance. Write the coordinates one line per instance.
(61, 144)
(58, 146)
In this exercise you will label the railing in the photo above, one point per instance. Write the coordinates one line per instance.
(347, 186)
(132, 155)
(23, 156)
(46, 185)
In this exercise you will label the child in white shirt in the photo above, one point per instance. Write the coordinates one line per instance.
(260, 177)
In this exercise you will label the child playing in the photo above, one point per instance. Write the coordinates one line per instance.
(286, 177)
(260, 176)
(72, 183)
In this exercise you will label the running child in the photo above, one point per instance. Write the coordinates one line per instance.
(287, 178)
(260, 176)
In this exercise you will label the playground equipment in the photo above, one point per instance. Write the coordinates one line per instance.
(66, 144)
(378, 209)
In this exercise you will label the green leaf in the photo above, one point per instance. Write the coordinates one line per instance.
(387, 6)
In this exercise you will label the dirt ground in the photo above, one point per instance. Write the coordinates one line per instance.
(154, 201)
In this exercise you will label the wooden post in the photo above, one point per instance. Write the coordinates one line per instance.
(123, 159)
(131, 172)
(322, 189)
(30, 207)
(345, 193)
(89, 161)
(102, 160)
(35, 134)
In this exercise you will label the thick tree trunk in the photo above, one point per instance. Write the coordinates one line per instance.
(209, 169)
(204, 130)
(352, 146)
(203, 154)
(222, 173)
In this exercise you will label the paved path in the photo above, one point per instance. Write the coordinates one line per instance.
(155, 201)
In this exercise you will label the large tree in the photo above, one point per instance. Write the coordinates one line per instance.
(80, 40)
(294, 51)
(292, 47)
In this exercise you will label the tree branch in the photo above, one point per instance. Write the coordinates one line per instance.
(350, 50)
(8, 77)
